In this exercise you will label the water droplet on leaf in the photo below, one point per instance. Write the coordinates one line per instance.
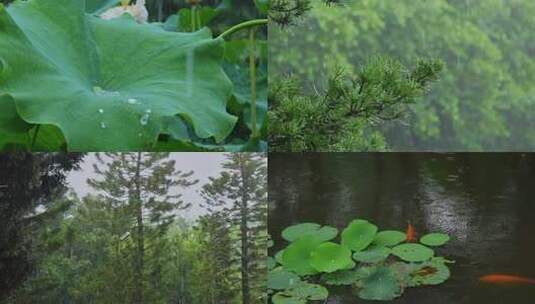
(144, 119)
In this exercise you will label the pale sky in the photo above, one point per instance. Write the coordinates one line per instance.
(204, 165)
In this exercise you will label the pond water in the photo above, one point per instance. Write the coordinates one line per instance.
(485, 202)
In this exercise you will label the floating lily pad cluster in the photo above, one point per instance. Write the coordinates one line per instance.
(378, 265)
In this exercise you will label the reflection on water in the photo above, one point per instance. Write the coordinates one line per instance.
(484, 201)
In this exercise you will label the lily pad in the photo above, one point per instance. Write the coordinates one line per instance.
(433, 272)
(323, 234)
(296, 257)
(271, 263)
(372, 255)
(389, 238)
(413, 252)
(435, 239)
(341, 277)
(359, 235)
(278, 256)
(280, 279)
(301, 293)
(110, 84)
(380, 285)
(330, 257)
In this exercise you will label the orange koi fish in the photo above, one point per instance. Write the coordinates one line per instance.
(411, 234)
(505, 279)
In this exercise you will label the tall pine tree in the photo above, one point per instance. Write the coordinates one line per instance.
(240, 193)
(147, 184)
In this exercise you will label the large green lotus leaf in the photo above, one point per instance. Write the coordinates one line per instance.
(97, 6)
(435, 239)
(380, 285)
(294, 232)
(358, 235)
(301, 293)
(13, 130)
(413, 252)
(110, 85)
(330, 257)
(279, 279)
(372, 255)
(296, 257)
(389, 238)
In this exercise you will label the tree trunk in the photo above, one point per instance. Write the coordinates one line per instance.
(244, 212)
(140, 250)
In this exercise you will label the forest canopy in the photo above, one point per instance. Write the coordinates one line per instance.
(484, 98)
(130, 240)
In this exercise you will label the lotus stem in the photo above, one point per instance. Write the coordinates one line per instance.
(243, 25)
(34, 138)
(192, 17)
(252, 70)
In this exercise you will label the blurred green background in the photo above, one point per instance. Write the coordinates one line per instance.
(485, 99)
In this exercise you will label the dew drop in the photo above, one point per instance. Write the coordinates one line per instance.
(132, 101)
(144, 119)
(101, 111)
(103, 125)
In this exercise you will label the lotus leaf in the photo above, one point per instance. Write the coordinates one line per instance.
(110, 85)
(280, 279)
(413, 252)
(358, 235)
(435, 239)
(301, 293)
(330, 257)
(380, 285)
(372, 255)
(297, 231)
(296, 257)
(389, 238)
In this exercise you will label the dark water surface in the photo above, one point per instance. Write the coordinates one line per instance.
(486, 202)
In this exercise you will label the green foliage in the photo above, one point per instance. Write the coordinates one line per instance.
(240, 192)
(88, 250)
(375, 271)
(484, 99)
(340, 117)
(118, 85)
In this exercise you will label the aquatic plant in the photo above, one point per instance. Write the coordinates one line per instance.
(88, 84)
(378, 265)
